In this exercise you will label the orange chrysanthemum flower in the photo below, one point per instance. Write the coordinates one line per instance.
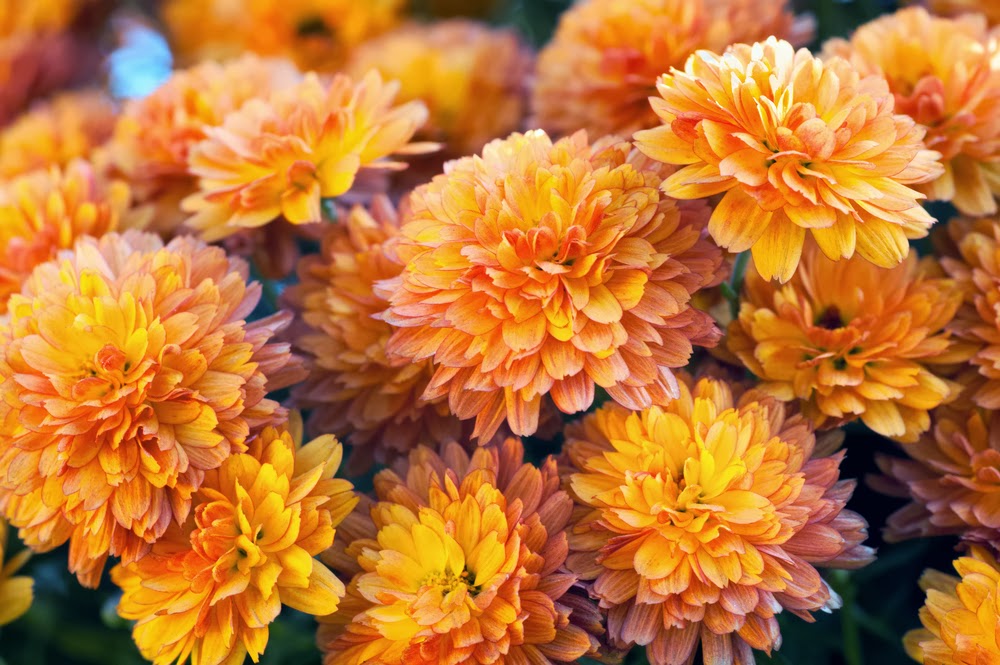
(16, 592)
(457, 68)
(950, 479)
(796, 144)
(155, 134)
(282, 156)
(987, 8)
(942, 74)
(54, 133)
(354, 389)
(126, 372)
(43, 212)
(463, 564)
(701, 520)
(318, 34)
(602, 64)
(208, 589)
(962, 615)
(545, 268)
(852, 340)
(977, 268)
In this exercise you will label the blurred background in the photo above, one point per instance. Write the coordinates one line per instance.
(68, 625)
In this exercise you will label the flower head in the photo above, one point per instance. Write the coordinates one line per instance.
(796, 144)
(127, 372)
(154, 135)
(463, 564)
(546, 268)
(283, 155)
(317, 34)
(459, 69)
(54, 133)
(962, 615)
(851, 340)
(209, 588)
(355, 390)
(952, 478)
(16, 592)
(942, 74)
(602, 64)
(977, 324)
(43, 212)
(987, 8)
(701, 520)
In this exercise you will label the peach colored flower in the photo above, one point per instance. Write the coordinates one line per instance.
(155, 134)
(281, 156)
(45, 211)
(796, 144)
(354, 389)
(987, 8)
(848, 339)
(54, 133)
(944, 74)
(700, 521)
(459, 69)
(127, 371)
(546, 268)
(462, 565)
(962, 615)
(601, 66)
(209, 588)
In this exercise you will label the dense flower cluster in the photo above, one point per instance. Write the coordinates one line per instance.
(701, 520)
(434, 240)
(849, 339)
(463, 563)
(549, 268)
(796, 144)
(127, 371)
(944, 74)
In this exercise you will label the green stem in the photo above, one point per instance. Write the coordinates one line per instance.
(329, 206)
(731, 289)
(850, 629)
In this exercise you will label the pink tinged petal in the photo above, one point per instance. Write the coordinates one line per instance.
(738, 222)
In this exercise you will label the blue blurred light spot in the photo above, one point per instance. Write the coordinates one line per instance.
(141, 64)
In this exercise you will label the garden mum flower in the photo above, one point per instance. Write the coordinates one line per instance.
(849, 339)
(208, 590)
(283, 155)
(45, 211)
(354, 389)
(16, 592)
(950, 478)
(155, 134)
(942, 73)
(463, 564)
(962, 615)
(546, 268)
(54, 133)
(127, 371)
(796, 144)
(987, 8)
(977, 324)
(457, 68)
(701, 520)
(601, 66)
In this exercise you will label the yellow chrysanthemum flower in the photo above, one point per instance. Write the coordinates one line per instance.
(155, 134)
(69, 126)
(16, 592)
(317, 34)
(601, 66)
(700, 521)
(127, 371)
(944, 73)
(544, 269)
(281, 156)
(209, 589)
(457, 68)
(43, 212)
(797, 144)
(463, 564)
(962, 615)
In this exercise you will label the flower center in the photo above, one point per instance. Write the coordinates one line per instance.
(829, 318)
(447, 581)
